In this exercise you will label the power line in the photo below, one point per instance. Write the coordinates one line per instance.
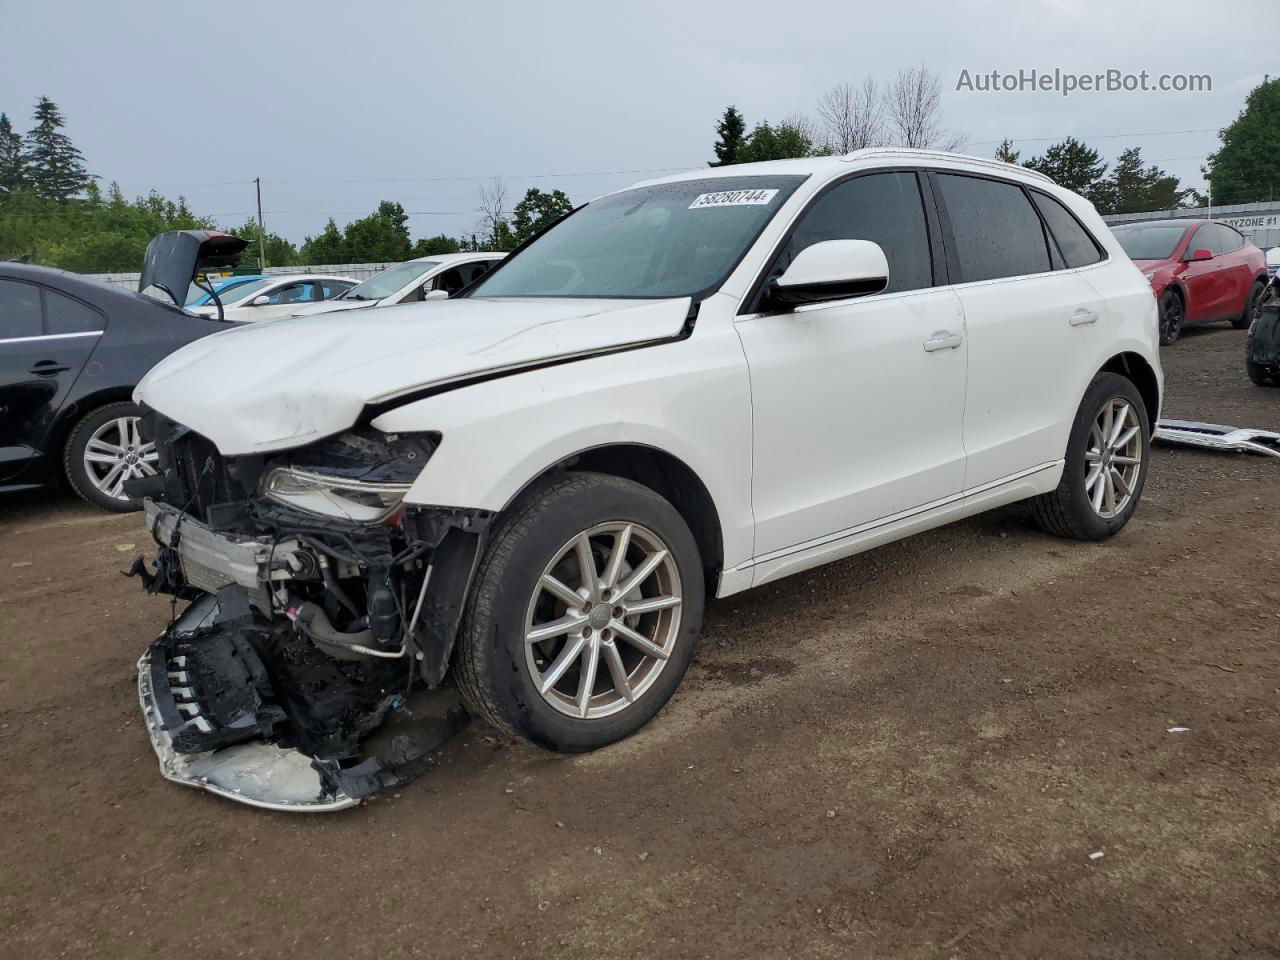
(1091, 136)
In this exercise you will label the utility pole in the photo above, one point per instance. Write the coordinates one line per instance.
(262, 234)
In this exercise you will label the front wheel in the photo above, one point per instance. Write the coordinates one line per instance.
(1106, 464)
(1172, 313)
(583, 615)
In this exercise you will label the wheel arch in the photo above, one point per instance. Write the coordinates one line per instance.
(666, 475)
(1135, 368)
(72, 413)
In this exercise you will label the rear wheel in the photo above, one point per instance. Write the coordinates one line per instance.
(1251, 306)
(1106, 464)
(1172, 314)
(103, 451)
(583, 615)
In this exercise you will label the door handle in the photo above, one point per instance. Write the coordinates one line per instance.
(942, 340)
(47, 368)
(1083, 317)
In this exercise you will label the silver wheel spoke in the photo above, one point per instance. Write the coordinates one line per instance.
(617, 671)
(649, 604)
(639, 641)
(588, 682)
(587, 565)
(98, 445)
(1126, 461)
(1118, 419)
(145, 469)
(106, 483)
(556, 628)
(1125, 438)
(1098, 491)
(641, 573)
(1109, 487)
(572, 650)
(569, 598)
(1092, 478)
(94, 457)
(1092, 456)
(616, 559)
(1118, 480)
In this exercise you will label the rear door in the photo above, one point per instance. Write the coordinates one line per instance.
(45, 339)
(1035, 325)
(857, 404)
(1234, 268)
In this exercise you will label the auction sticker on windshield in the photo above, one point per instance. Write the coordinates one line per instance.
(733, 198)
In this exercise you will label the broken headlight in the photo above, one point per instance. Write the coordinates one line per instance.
(333, 496)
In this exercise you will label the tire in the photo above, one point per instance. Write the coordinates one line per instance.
(1260, 375)
(500, 674)
(1250, 305)
(101, 428)
(1172, 314)
(1069, 511)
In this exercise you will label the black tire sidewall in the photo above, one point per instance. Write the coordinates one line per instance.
(523, 548)
(1104, 388)
(73, 456)
(1242, 322)
(1170, 295)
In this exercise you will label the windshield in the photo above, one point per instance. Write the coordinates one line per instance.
(390, 280)
(240, 291)
(667, 240)
(1155, 241)
(197, 296)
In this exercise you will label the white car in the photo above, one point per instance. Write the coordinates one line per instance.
(427, 278)
(684, 389)
(275, 297)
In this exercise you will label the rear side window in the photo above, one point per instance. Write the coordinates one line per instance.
(19, 310)
(996, 230)
(64, 315)
(883, 207)
(1077, 246)
(1217, 238)
(331, 288)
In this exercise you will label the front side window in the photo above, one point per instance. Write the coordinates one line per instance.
(885, 208)
(243, 291)
(1077, 246)
(293, 293)
(997, 232)
(1218, 239)
(667, 240)
(19, 310)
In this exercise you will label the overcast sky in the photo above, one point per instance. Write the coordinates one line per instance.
(337, 105)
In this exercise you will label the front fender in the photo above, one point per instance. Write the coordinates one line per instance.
(690, 399)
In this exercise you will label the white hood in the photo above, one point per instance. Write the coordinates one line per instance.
(272, 386)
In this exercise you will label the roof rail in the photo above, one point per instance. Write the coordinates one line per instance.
(869, 152)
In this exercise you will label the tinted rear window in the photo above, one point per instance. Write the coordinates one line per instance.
(1077, 246)
(19, 310)
(997, 232)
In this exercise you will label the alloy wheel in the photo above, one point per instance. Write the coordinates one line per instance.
(603, 620)
(116, 453)
(1113, 459)
(1170, 318)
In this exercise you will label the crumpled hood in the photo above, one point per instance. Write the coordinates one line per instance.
(272, 386)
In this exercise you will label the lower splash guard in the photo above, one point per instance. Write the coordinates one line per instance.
(215, 724)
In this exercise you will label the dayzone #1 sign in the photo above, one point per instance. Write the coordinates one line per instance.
(733, 198)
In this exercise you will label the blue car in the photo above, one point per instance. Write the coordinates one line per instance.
(196, 296)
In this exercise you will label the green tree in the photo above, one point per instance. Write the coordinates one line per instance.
(1134, 188)
(430, 246)
(731, 131)
(280, 252)
(1246, 168)
(54, 165)
(782, 142)
(1005, 152)
(380, 237)
(1075, 166)
(328, 247)
(538, 210)
(13, 167)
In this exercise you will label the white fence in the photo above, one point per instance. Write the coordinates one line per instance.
(356, 271)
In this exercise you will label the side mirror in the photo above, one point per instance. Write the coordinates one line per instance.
(260, 300)
(436, 295)
(1200, 254)
(832, 270)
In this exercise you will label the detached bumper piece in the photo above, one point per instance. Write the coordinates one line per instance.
(205, 698)
(1213, 436)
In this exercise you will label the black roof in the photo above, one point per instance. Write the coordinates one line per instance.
(101, 295)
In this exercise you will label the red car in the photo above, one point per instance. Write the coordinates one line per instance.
(1201, 271)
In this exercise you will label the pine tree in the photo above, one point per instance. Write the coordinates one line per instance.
(13, 168)
(1005, 152)
(1134, 188)
(732, 132)
(1075, 166)
(54, 165)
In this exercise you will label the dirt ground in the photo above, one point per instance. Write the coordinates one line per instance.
(912, 753)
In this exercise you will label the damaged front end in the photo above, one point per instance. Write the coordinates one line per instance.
(316, 601)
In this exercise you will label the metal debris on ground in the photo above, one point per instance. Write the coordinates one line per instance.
(1179, 730)
(1213, 436)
